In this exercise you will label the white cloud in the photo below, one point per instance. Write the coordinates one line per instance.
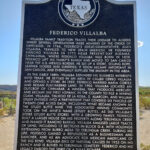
(140, 43)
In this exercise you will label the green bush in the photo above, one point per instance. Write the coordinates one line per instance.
(144, 91)
(145, 147)
(145, 102)
(144, 98)
(8, 104)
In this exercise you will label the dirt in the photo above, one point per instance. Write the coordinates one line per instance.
(7, 130)
(145, 127)
(7, 133)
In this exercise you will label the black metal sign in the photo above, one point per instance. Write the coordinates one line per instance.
(77, 82)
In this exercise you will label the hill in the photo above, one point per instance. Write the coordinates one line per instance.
(12, 88)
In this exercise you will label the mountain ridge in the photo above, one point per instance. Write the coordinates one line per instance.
(6, 87)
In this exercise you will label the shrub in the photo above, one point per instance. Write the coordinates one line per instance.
(145, 102)
(144, 98)
(145, 147)
(3, 111)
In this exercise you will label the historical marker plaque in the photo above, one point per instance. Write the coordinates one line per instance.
(77, 82)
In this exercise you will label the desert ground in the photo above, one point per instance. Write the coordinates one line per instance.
(145, 127)
(7, 130)
(7, 125)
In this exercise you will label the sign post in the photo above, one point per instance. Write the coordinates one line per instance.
(77, 86)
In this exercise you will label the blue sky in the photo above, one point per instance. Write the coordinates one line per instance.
(10, 20)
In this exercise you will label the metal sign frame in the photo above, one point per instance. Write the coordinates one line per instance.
(24, 2)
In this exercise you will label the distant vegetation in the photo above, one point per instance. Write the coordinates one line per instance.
(7, 103)
(144, 95)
